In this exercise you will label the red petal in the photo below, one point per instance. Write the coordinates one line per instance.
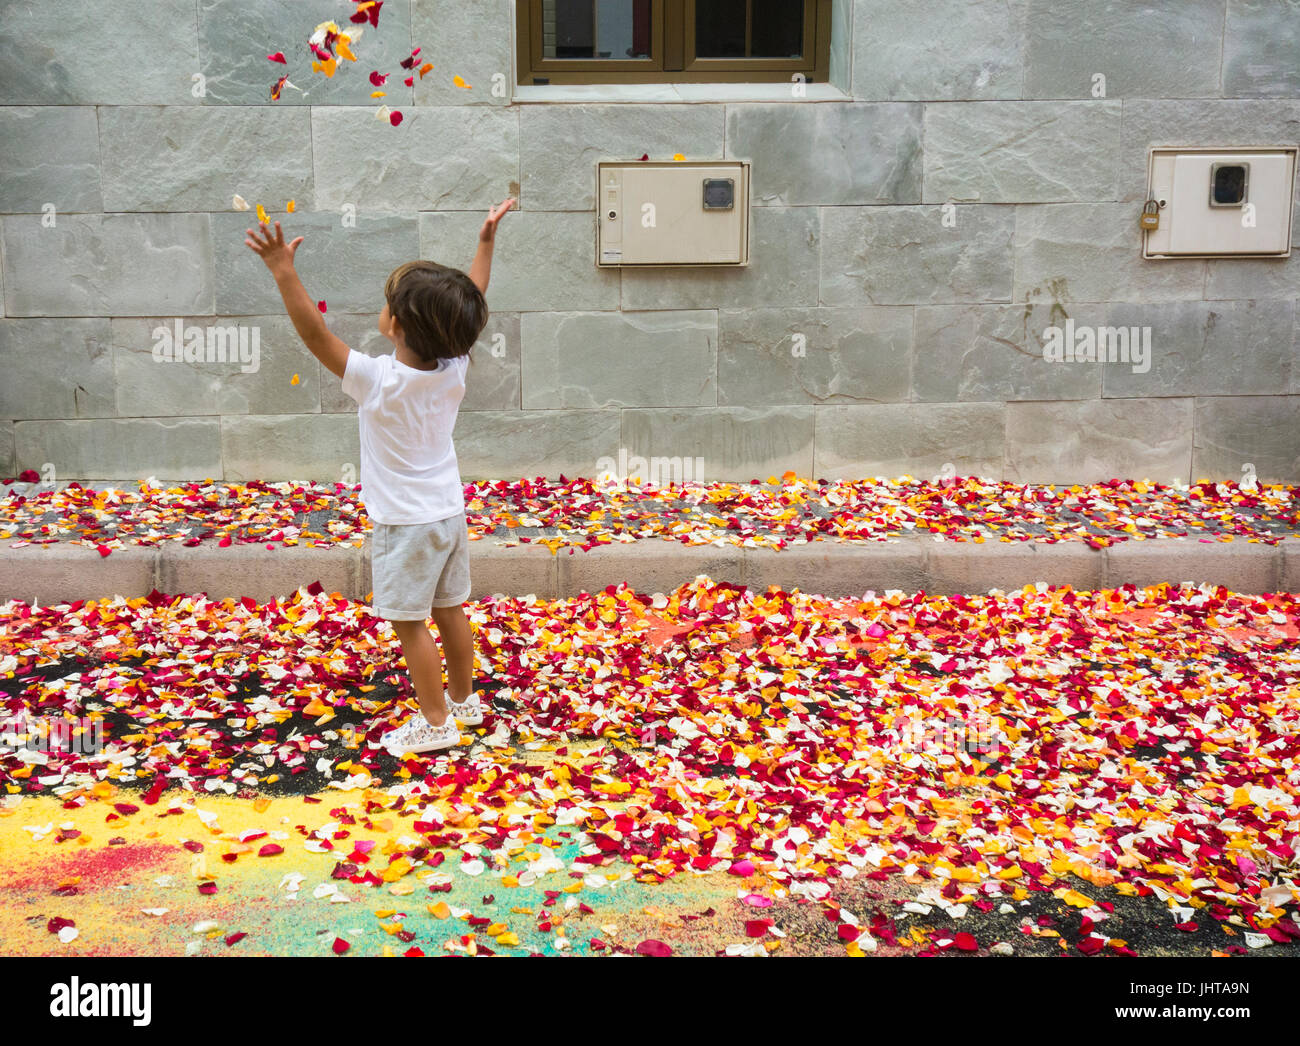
(320, 305)
(653, 947)
(235, 938)
(270, 850)
(394, 117)
(378, 79)
(277, 57)
(340, 946)
(965, 942)
(208, 888)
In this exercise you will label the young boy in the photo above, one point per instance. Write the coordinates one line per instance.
(406, 405)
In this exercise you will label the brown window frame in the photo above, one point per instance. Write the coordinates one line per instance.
(672, 58)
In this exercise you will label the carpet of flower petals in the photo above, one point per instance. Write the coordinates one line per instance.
(583, 513)
(982, 746)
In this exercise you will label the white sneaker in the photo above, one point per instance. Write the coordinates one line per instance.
(417, 734)
(468, 712)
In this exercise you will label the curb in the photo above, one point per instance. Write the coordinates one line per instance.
(48, 574)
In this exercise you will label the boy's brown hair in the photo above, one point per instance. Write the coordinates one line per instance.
(440, 310)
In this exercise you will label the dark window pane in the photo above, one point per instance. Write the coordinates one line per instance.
(720, 28)
(774, 28)
(604, 29)
(777, 29)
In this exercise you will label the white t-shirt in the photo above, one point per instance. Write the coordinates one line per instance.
(408, 463)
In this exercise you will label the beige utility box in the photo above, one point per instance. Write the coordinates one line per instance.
(1222, 203)
(678, 213)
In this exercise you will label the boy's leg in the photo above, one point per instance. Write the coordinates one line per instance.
(458, 649)
(425, 666)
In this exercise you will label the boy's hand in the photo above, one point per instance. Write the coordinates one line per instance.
(489, 230)
(272, 249)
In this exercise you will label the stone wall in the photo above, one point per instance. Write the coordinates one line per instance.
(921, 325)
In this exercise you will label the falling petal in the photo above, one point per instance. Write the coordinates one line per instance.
(425, 69)
(378, 79)
(321, 305)
(290, 206)
(261, 215)
(459, 82)
(395, 118)
(278, 57)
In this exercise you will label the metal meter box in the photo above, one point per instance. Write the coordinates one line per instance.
(677, 213)
(1222, 202)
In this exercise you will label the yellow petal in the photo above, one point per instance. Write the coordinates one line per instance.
(459, 82)
(290, 206)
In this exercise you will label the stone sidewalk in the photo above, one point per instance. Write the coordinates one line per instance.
(47, 574)
(515, 560)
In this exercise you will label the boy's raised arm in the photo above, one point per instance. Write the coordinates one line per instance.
(307, 320)
(481, 270)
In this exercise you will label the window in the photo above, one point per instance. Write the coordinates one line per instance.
(672, 41)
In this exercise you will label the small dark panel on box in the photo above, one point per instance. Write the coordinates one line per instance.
(1228, 184)
(719, 194)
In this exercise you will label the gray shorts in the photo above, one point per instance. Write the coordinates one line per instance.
(418, 566)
